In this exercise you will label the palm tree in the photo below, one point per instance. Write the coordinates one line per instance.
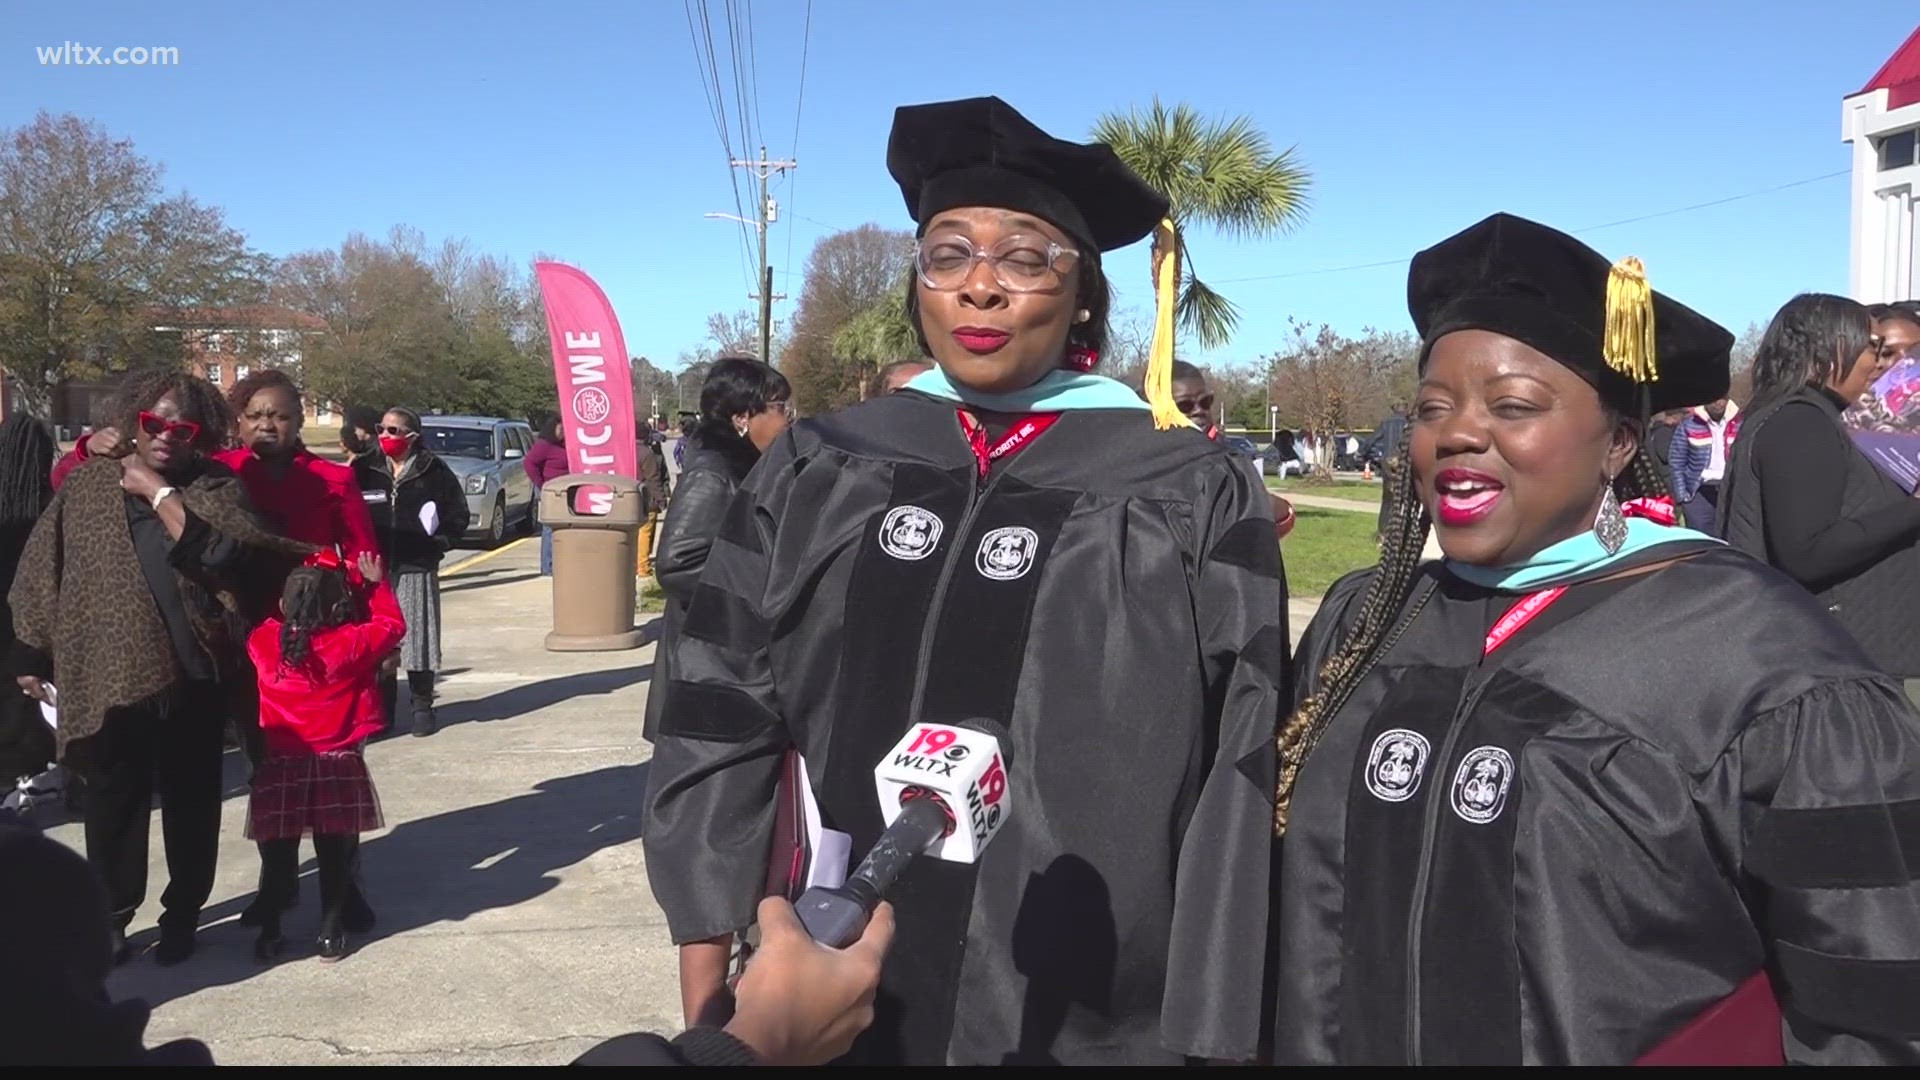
(1219, 173)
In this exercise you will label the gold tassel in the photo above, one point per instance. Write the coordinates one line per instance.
(1166, 297)
(1628, 346)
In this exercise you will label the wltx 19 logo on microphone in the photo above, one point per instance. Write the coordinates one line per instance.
(963, 768)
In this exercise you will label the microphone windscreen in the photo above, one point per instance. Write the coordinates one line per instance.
(996, 729)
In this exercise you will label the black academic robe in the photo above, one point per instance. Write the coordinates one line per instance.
(1660, 787)
(1113, 595)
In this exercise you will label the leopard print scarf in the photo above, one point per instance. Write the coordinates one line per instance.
(83, 610)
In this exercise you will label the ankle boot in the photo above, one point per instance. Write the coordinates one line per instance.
(270, 944)
(420, 688)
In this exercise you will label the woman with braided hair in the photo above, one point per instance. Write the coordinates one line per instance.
(1517, 826)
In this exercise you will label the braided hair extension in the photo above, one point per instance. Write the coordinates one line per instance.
(26, 469)
(1381, 605)
(1401, 543)
(1641, 479)
(316, 598)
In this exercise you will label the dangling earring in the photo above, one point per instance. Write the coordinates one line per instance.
(1610, 527)
(740, 428)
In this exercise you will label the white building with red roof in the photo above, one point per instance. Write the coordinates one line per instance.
(1882, 121)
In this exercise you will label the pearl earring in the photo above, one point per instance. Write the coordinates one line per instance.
(1083, 316)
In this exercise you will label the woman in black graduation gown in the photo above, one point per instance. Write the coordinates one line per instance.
(1553, 799)
(1010, 540)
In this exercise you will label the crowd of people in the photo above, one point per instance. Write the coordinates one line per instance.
(192, 575)
(1628, 776)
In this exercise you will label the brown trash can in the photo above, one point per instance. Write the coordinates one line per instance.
(593, 558)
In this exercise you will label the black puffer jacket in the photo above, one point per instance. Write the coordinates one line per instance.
(708, 481)
(395, 502)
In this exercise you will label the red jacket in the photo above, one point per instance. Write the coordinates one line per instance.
(316, 502)
(69, 461)
(333, 701)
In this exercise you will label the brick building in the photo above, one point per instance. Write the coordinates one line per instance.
(220, 345)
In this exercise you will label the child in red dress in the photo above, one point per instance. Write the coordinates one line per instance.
(319, 665)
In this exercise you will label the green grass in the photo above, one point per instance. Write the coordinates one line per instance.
(653, 599)
(1356, 490)
(1325, 546)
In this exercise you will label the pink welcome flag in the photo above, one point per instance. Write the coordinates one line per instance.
(590, 368)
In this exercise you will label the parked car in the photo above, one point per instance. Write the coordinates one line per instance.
(486, 453)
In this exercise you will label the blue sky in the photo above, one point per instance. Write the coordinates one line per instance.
(580, 128)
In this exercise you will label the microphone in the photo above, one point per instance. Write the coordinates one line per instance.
(943, 793)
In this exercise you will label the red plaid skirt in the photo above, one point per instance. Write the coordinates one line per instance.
(328, 794)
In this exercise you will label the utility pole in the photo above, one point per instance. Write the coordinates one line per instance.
(764, 216)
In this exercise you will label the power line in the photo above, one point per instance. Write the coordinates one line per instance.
(1716, 202)
(749, 136)
(806, 36)
(718, 99)
(1576, 232)
(753, 69)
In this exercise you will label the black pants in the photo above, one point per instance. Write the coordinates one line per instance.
(419, 688)
(1703, 510)
(280, 878)
(242, 692)
(177, 742)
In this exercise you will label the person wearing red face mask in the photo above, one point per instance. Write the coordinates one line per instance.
(418, 512)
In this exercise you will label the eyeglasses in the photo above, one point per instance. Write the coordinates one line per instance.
(1021, 264)
(784, 408)
(392, 429)
(1203, 403)
(159, 427)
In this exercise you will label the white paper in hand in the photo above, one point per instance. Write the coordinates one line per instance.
(832, 851)
(430, 518)
(50, 708)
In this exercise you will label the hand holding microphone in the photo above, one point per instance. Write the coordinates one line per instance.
(944, 793)
(799, 1003)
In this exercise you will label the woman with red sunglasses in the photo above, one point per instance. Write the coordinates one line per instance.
(129, 599)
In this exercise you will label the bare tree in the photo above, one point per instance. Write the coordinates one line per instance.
(1327, 383)
(390, 334)
(91, 255)
(848, 273)
(1129, 337)
(737, 334)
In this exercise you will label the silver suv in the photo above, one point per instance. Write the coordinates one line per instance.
(487, 454)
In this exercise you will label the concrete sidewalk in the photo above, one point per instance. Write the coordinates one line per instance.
(516, 926)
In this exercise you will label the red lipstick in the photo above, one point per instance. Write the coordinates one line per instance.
(981, 340)
(1465, 496)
